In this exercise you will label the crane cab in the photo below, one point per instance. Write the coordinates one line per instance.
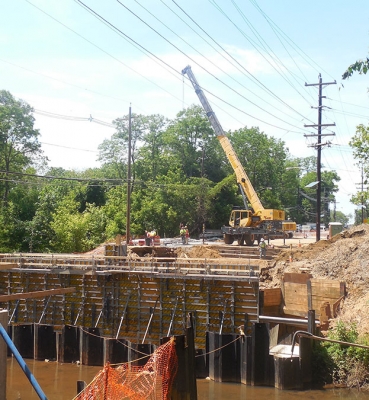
(243, 218)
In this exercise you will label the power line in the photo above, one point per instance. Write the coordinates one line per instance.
(104, 51)
(68, 147)
(219, 80)
(102, 19)
(257, 80)
(207, 59)
(307, 57)
(72, 118)
(279, 70)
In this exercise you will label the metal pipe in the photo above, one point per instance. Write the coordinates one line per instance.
(172, 318)
(149, 323)
(123, 315)
(313, 337)
(22, 364)
(44, 310)
(290, 321)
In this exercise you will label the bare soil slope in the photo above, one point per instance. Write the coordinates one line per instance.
(345, 257)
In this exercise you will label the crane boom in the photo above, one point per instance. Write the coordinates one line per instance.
(241, 176)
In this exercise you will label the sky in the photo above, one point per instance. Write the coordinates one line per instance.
(82, 64)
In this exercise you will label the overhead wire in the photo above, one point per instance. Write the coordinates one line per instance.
(265, 46)
(62, 81)
(248, 72)
(102, 19)
(306, 56)
(73, 118)
(338, 138)
(68, 147)
(198, 64)
(104, 51)
(208, 60)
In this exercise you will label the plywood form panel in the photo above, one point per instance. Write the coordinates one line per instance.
(295, 296)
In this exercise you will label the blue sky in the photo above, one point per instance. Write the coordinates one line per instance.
(254, 55)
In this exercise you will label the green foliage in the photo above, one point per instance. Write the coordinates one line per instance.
(350, 364)
(339, 216)
(360, 144)
(179, 173)
(322, 365)
(115, 211)
(185, 139)
(8, 230)
(263, 159)
(19, 146)
(360, 66)
(75, 231)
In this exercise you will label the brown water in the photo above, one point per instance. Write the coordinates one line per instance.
(59, 382)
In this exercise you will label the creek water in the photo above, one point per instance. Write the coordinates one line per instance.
(59, 382)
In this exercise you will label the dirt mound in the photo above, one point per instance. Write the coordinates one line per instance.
(344, 258)
(203, 252)
(197, 252)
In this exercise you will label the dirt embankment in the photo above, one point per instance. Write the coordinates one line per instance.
(345, 257)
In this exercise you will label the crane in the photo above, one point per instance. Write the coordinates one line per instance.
(245, 225)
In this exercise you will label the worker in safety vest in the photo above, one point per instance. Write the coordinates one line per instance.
(262, 248)
(152, 234)
(182, 232)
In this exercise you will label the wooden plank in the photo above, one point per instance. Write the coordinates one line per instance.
(272, 297)
(33, 295)
(295, 293)
(8, 266)
(296, 277)
(294, 312)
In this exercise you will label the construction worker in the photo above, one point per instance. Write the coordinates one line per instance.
(152, 235)
(182, 232)
(262, 248)
(187, 234)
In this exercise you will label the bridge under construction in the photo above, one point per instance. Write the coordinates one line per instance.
(138, 299)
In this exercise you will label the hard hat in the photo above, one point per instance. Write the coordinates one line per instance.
(262, 240)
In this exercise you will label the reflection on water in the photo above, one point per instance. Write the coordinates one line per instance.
(59, 382)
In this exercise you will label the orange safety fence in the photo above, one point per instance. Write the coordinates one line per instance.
(153, 381)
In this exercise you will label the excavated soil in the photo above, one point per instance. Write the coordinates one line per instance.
(345, 257)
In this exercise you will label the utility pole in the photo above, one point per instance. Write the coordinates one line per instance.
(334, 210)
(128, 224)
(362, 193)
(318, 147)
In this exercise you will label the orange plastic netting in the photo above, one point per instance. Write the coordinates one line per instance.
(150, 382)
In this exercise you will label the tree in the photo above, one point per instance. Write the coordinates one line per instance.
(360, 66)
(328, 188)
(186, 138)
(19, 145)
(263, 159)
(339, 216)
(150, 161)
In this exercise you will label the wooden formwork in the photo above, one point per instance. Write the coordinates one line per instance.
(143, 300)
(302, 292)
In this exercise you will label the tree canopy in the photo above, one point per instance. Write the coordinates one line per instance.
(179, 174)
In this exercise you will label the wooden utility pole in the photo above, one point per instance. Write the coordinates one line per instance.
(128, 224)
(318, 147)
(362, 193)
